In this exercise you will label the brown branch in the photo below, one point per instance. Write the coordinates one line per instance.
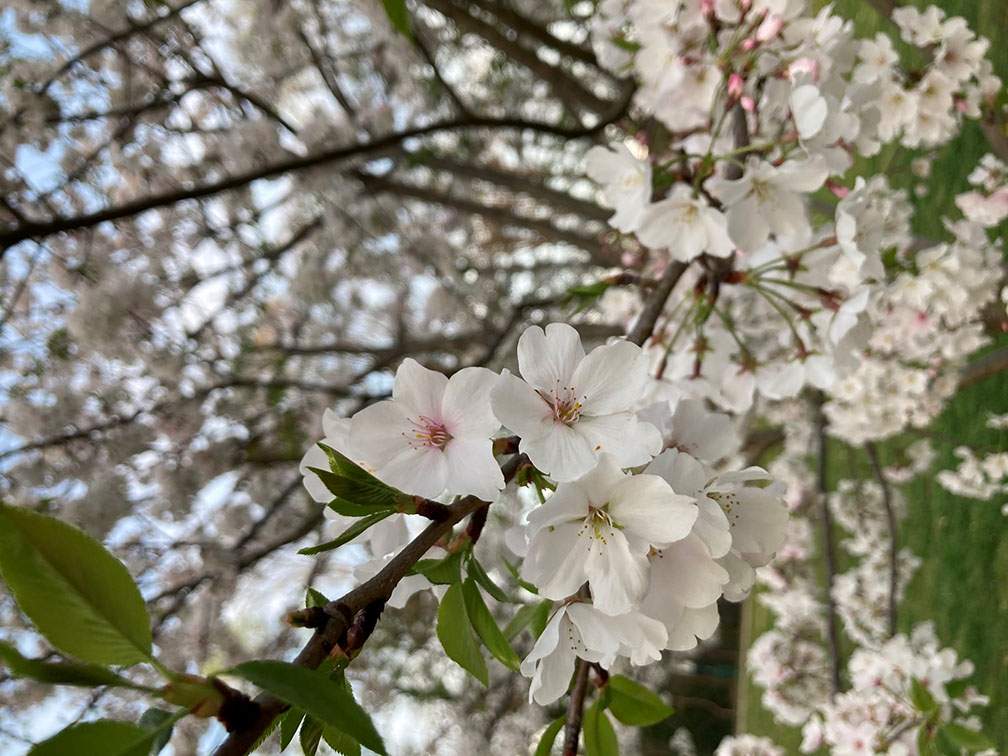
(575, 709)
(887, 502)
(34, 229)
(829, 549)
(645, 324)
(342, 613)
(987, 366)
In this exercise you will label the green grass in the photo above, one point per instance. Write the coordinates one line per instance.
(962, 584)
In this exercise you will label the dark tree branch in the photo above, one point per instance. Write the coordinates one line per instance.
(829, 549)
(342, 613)
(575, 709)
(36, 229)
(887, 502)
(655, 303)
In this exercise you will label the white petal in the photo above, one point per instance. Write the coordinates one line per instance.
(746, 225)
(520, 408)
(647, 506)
(419, 390)
(546, 643)
(472, 468)
(611, 378)
(568, 504)
(336, 428)
(617, 576)
(712, 527)
(555, 562)
(631, 441)
(685, 572)
(548, 359)
(561, 452)
(741, 576)
(380, 432)
(809, 109)
(315, 457)
(595, 628)
(465, 406)
(420, 471)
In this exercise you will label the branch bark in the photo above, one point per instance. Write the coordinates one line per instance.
(887, 502)
(829, 550)
(645, 324)
(575, 709)
(341, 612)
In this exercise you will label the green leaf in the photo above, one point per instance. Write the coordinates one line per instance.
(363, 480)
(350, 533)
(447, 571)
(340, 742)
(314, 598)
(80, 597)
(289, 726)
(399, 16)
(520, 620)
(963, 737)
(60, 672)
(633, 704)
(486, 626)
(523, 583)
(924, 745)
(548, 737)
(162, 721)
(363, 491)
(311, 736)
(583, 296)
(599, 735)
(349, 509)
(921, 697)
(326, 700)
(456, 635)
(477, 572)
(104, 737)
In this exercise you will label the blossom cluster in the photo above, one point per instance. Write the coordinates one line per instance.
(639, 536)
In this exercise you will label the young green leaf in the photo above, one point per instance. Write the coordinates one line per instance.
(349, 508)
(486, 627)
(921, 697)
(80, 597)
(310, 736)
(163, 722)
(365, 489)
(523, 583)
(340, 742)
(548, 737)
(456, 635)
(520, 620)
(399, 16)
(60, 672)
(327, 700)
(963, 737)
(289, 726)
(599, 735)
(350, 533)
(476, 571)
(633, 704)
(447, 571)
(104, 737)
(314, 598)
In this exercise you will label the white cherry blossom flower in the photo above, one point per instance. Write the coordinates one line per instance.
(625, 180)
(600, 529)
(685, 225)
(435, 433)
(575, 407)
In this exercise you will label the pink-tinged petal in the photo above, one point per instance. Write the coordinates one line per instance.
(617, 576)
(547, 359)
(685, 572)
(631, 441)
(611, 378)
(562, 452)
(315, 457)
(555, 563)
(419, 390)
(647, 506)
(472, 468)
(520, 408)
(381, 432)
(421, 471)
(465, 406)
(568, 504)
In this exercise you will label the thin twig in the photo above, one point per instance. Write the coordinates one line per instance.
(887, 502)
(645, 324)
(575, 708)
(829, 551)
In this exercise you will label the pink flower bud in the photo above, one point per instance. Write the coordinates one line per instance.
(770, 28)
(838, 190)
(748, 104)
(735, 84)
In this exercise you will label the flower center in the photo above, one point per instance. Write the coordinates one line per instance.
(565, 403)
(428, 433)
(600, 522)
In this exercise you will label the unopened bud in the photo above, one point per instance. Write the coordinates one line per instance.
(735, 85)
(770, 28)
